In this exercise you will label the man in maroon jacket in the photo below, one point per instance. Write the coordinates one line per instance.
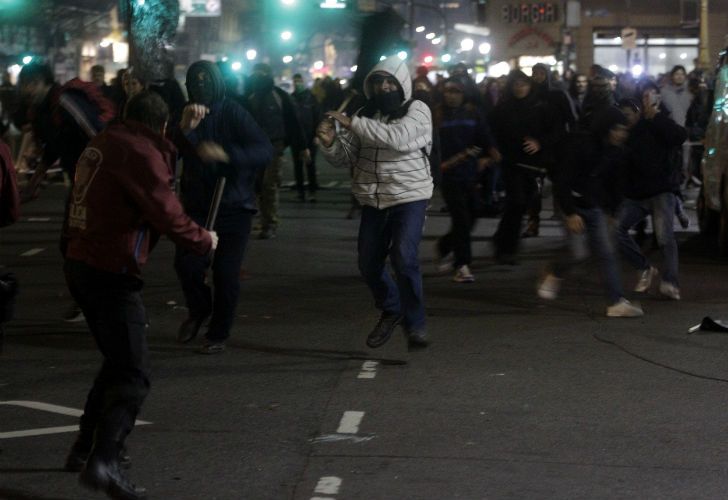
(122, 196)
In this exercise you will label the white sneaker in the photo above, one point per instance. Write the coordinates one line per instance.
(549, 287)
(669, 290)
(443, 264)
(644, 281)
(623, 309)
(463, 275)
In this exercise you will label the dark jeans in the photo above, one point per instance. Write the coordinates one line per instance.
(298, 167)
(192, 269)
(395, 232)
(602, 249)
(460, 197)
(521, 188)
(114, 311)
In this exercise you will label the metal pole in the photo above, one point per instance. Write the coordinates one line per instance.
(704, 51)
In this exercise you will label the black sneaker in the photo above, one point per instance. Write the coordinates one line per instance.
(108, 477)
(80, 452)
(383, 330)
(189, 329)
(417, 339)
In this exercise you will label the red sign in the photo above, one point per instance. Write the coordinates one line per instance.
(531, 13)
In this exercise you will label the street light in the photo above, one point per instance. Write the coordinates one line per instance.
(251, 54)
(27, 59)
(286, 35)
(437, 40)
(420, 29)
(287, 59)
(402, 55)
(430, 36)
(446, 58)
(484, 48)
(288, 3)
(236, 66)
(466, 44)
(318, 65)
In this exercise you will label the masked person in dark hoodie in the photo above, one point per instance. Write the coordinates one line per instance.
(527, 130)
(386, 144)
(466, 144)
(217, 137)
(587, 188)
(274, 111)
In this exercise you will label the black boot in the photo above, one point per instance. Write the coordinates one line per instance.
(106, 475)
(383, 329)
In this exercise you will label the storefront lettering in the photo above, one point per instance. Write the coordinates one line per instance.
(531, 13)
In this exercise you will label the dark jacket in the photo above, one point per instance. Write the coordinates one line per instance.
(231, 126)
(309, 113)
(124, 191)
(9, 196)
(653, 165)
(588, 175)
(515, 119)
(275, 113)
(460, 129)
(63, 134)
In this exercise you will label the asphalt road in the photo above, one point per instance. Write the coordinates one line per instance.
(515, 399)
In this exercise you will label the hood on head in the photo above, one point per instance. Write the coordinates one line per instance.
(217, 82)
(396, 67)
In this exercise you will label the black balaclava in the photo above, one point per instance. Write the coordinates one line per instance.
(388, 102)
(206, 90)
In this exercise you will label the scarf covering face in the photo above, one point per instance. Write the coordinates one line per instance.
(388, 102)
(205, 84)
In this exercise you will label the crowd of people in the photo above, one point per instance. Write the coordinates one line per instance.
(615, 149)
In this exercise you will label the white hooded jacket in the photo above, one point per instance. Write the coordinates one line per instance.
(387, 159)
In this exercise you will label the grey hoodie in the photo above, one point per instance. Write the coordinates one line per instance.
(386, 157)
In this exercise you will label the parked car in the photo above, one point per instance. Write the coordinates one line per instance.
(713, 200)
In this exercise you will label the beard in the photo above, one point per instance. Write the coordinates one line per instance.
(388, 102)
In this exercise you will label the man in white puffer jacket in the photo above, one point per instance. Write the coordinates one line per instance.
(386, 144)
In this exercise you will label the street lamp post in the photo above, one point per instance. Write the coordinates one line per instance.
(704, 53)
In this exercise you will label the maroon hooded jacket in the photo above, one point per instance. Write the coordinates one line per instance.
(123, 190)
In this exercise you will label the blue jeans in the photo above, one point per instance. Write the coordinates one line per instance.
(600, 244)
(662, 208)
(395, 232)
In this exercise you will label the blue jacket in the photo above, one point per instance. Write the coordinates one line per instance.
(231, 126)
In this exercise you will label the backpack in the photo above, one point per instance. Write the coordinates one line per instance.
(103, 108)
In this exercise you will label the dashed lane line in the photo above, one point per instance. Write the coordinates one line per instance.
(368, 370)
(350, 422)
(31, 252)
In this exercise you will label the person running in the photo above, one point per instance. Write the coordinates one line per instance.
(121, 201)
(587, 188)
(217, 138)
(465, 143)
(652, 179)
(386, 144)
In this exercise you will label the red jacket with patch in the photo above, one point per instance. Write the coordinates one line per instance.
(123, 192)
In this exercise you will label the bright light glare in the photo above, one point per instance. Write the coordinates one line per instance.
(236, 66)
(466, 44)
(105, 43)
(318, 65)
(288, 2)
(251, 54)
(662, 56)
(428, 59)
(224, 58)
(286, 35)
(614, 68)
(637, 69)
(27, 59)
(343, 82)
(484, 48)
(402, 54)
(500, 69)
(382, 58)
(437, 40)
(287, 59)
(430, 36)
(683, 56)
(420, 29)
(446, 58)
(354, 68)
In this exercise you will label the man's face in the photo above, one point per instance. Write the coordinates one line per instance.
(98, 77)
(521, 89)
(383, 83)
(132, 86)
(453, 96)
(582, 83)
(539, 75)
(298, 84)
(618, 135)
(650, 98)
(678, 77)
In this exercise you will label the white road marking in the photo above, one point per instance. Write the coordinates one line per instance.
(328, 485)
(38, 405)
(39, 219)
(368, 369)
(350, 422)
(32, 252)
(335, 438)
